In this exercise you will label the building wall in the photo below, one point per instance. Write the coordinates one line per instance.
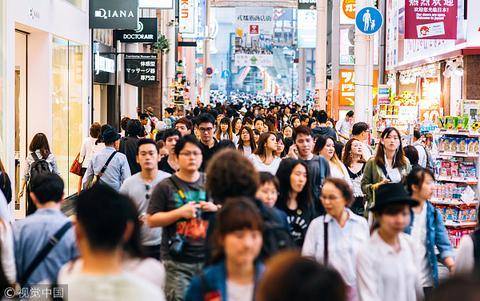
(471, 78)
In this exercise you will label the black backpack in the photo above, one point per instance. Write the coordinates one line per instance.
(39, 166)
(275, 236)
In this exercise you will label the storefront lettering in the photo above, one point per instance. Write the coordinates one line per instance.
(105, 14)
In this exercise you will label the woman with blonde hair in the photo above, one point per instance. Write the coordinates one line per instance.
(325, 146)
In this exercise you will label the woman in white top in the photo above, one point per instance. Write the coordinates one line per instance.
(387, 265)
(264, 158)
(335, 238)
(325, 146)
(224, 130)
(89, 148)
(246, 142)
(39, 150)
(355, 163)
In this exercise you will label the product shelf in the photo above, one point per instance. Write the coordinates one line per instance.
(452, 202)
(457, 180)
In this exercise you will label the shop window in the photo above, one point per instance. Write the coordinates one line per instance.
(67, 107)
(77, 3)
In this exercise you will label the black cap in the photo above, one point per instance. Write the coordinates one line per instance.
(392, 193)
(110, 135)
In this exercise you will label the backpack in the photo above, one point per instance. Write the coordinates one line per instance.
(275, 237)
(39, 166)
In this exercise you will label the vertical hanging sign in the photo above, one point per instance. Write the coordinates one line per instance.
(431, 19)
(186, 16)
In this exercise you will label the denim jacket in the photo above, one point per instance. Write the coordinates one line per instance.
(437, 236)
(211, 284)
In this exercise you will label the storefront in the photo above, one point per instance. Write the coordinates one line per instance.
(3, 113)
(46, 85)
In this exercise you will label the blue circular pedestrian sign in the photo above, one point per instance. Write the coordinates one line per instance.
(369, 20)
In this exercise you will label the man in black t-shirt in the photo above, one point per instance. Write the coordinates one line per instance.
(179, 205)
(206, 127)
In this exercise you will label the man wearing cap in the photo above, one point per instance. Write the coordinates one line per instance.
(117, 169)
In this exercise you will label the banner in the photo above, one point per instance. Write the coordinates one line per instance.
(306, 28)
(431, 19)
(145, 33)
(119, 14)
(140, 69)
(186, 16)
(253, 36)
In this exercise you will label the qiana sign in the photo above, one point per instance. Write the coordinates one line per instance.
(118, 14)
(431, 19)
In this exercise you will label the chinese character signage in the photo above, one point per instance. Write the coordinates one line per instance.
(118, 14)
(141, 69)
(186, 16)
(431, 19)
(254, 36)
(347, 87)
(145, 33)
(347, 12)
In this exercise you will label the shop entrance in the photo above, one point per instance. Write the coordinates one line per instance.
(21, 100)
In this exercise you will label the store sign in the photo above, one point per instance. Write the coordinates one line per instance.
(347, 86)
(118, 14)
(161, 4)
(347, 45)
(254, 36)
(140, 69)
(145, 33)
(383, 95)
(306, 32)
(187, 16)
(307, 4)
(431, 19)
(347, 12)
(103, 64)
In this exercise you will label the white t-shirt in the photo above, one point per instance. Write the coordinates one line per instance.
(247, 151)
(239, 292)
(119, 287)
(339, 172)
(419, 235)
(260, 166)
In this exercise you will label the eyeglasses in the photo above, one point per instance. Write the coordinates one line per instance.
(205, 129)
(188, 154)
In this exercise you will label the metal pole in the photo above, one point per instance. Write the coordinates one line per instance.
(382, 5)
(321, 55)
(92, 89)
(206, 56)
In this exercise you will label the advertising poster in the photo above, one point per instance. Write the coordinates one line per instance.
(431, 19)
(253, 36)
(306, 32)
(347, 87)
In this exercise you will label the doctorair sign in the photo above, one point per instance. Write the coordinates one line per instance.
(118, 14)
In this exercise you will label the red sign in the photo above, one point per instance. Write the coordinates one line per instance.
(431, 19)
(254, 29)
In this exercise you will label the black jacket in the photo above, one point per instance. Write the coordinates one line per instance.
(128, 147)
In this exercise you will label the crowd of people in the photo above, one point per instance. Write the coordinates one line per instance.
(237, 202)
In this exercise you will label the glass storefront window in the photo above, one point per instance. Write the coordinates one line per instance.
(77, 3)
(67, 110)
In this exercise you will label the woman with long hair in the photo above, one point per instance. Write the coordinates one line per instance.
(264, 158)
(246, 142)
(89, 148)
(237, 245)
(288, 131)
(348, 232)
(427, 229)
(224, 130)
(236, 129)
(39, 150)
(325, 146)
(295, 197)
(388, 166)
(355, 163)
(281, 151)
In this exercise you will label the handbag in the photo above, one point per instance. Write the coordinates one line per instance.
(76, 167)
(93, 178)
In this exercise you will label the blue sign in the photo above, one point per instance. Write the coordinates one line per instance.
(369, 20)
(226, 73)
